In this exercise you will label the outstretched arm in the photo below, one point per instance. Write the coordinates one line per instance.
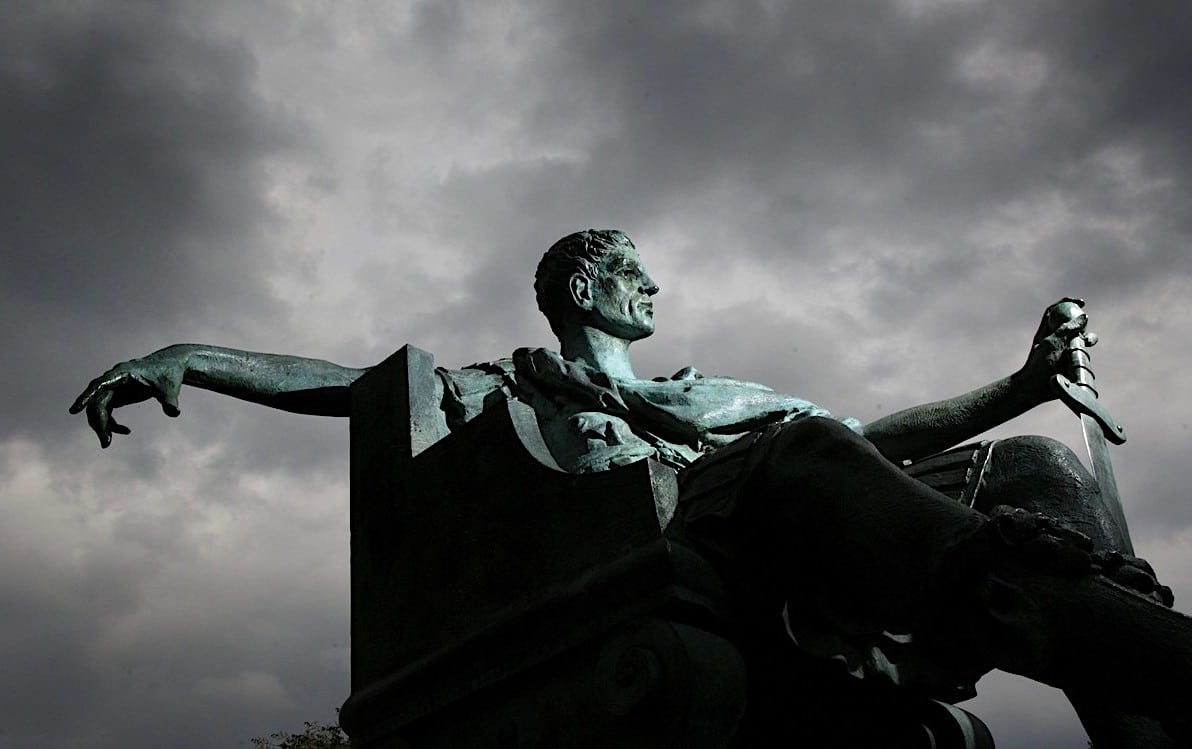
(923, 430)
(920, 431)
(291, 383)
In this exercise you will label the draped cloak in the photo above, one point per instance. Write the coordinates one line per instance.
(592, 421)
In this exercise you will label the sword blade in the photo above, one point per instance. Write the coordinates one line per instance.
(1094, 439)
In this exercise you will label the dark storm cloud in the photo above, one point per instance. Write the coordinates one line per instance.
(1124, 72)
(132, 185)
(867, 119)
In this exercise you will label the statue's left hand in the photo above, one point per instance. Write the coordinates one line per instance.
(158, 375)
(1056, 331)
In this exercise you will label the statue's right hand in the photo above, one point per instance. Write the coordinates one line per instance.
(158, 375)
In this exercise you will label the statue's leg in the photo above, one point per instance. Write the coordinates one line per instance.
(841, 526)
(852, 530)
(1043, 475)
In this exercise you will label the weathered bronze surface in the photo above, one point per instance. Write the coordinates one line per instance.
(521, 546)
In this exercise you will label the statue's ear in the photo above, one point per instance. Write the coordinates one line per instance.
(581, 290)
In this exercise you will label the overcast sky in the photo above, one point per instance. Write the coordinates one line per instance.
(867, 204)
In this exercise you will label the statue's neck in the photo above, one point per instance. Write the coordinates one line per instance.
(598, 350)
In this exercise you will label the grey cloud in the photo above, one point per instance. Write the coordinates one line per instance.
(132, 185)
(118, 603)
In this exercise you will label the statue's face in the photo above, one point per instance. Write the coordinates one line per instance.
(620, 296)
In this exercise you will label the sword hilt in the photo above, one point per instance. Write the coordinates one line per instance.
(1080, 364)
(1077, 389)
(1079, 368)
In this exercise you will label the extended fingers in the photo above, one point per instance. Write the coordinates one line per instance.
(99, 417)
(88, 394)
(102, 384)
(81, 402)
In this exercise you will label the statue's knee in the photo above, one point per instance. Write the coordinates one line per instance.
(810, 457)
(1037, 456)
(819, 436)
(1035, 443)
(1039, 474)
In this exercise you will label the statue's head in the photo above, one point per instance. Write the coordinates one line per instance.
(596, 278)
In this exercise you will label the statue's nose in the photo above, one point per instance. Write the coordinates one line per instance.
(649, 288)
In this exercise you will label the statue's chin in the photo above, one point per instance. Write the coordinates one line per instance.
(628, 330)
(644, 332)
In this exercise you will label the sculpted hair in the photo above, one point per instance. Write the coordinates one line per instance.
(579, 252)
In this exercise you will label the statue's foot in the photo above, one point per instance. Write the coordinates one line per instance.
(1134, 573)
(1053, 609)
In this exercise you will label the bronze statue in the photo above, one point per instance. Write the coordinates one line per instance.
(992, 555)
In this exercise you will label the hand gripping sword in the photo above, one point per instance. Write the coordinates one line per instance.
(1077, 392)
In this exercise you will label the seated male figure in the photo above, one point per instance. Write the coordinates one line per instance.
(772, 483)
